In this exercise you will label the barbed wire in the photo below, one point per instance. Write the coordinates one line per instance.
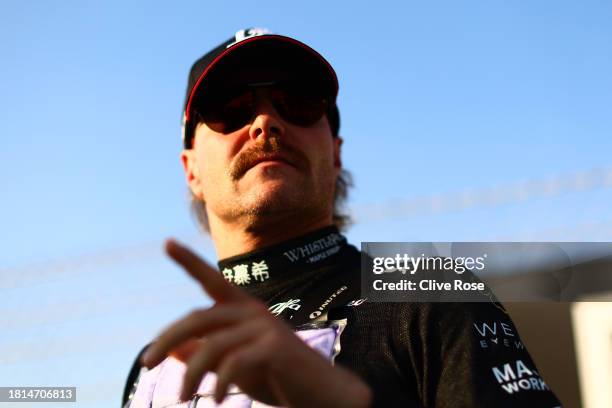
(27, 275)
(105, 304)
(488, 197)
(60, 346)
(571, 233)
(57, 313)
(53, 270)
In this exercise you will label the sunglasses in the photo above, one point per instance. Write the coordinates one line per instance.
(231, 109)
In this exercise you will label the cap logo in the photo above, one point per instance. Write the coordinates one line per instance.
(248, 33)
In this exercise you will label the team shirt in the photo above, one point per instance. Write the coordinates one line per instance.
(412, 354)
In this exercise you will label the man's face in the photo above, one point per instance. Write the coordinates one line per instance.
(267, 170)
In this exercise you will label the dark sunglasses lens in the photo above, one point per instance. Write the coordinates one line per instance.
(299, 106)
(297, 103)
(228, 114)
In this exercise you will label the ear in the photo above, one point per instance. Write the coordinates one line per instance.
(337, 152)
(192, 173)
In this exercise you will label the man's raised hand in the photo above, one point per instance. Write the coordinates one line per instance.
(244, 344)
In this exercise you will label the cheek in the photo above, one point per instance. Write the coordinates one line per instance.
(323, 161)
(213, 173)
(323, 150)
(318, 143)
(210, 165)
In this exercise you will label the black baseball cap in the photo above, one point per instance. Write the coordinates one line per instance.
(259, 51)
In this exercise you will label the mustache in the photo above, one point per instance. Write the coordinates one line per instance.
(269, 147)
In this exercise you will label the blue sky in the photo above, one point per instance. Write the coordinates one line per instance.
(435, 99)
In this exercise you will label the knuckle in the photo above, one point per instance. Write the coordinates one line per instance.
(213, 343)
(264, 324)
(195, 314)
(272, 340)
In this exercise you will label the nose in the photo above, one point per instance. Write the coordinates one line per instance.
(267, 122)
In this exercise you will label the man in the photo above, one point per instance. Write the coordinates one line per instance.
(288, 326)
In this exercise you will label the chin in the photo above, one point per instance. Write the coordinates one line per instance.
(277, 196)
(274, 198)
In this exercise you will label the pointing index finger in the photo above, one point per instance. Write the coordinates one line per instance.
(211, 281)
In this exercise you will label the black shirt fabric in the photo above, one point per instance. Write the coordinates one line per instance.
(412, 354)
